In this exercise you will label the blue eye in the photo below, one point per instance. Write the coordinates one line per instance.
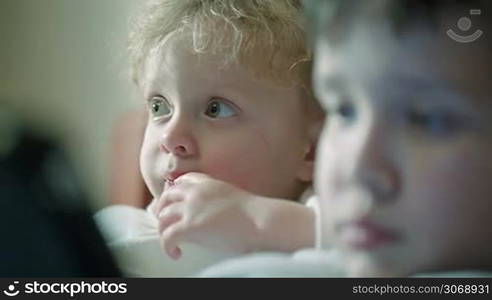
(159, 107)
(436, 123)
(344, 111)
(219, 109)
(339, 104)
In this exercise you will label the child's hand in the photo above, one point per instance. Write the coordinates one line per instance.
(199, 209)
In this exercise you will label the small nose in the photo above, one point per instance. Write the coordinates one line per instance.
(178, 138)
(374, 166)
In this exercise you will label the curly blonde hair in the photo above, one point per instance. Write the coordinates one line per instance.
(266, 36)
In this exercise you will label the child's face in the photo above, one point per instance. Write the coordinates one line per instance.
(222, 122)
(404, 166)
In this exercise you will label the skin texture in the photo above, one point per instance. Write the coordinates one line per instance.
(214, 214)
(250, 137)
(405, 148)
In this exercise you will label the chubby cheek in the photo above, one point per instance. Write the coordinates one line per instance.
(241, 162)
(254, 159)
(448, 207)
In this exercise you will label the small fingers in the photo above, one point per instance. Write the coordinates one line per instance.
(169, 215)
(192, 178)
(170, 239)
(167, 220)
(164, 201)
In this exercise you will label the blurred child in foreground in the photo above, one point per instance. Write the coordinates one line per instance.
(403, 167)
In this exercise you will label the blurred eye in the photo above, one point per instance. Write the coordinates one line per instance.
(220, 109)
(436, 122)
(159, 107)
(346, 110)
(340, 106)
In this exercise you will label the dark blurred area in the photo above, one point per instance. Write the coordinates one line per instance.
(47, 228)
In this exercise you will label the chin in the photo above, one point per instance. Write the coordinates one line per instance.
(365, 265)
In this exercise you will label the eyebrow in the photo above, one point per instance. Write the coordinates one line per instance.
(415, 83)
(399, 84)
(336, 82)
(433, 91)
(331, 82)
(422, 86)
(339, 81)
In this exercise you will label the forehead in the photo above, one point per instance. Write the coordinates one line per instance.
(376, 56)
(173, 62)
(176, 69)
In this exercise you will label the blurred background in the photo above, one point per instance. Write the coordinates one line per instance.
(71, 124)
(63, 73)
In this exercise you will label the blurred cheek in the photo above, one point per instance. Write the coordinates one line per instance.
(324, 160)
(325, 174)
(450, 195)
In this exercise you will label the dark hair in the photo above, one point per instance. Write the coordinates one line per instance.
(336, 17)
